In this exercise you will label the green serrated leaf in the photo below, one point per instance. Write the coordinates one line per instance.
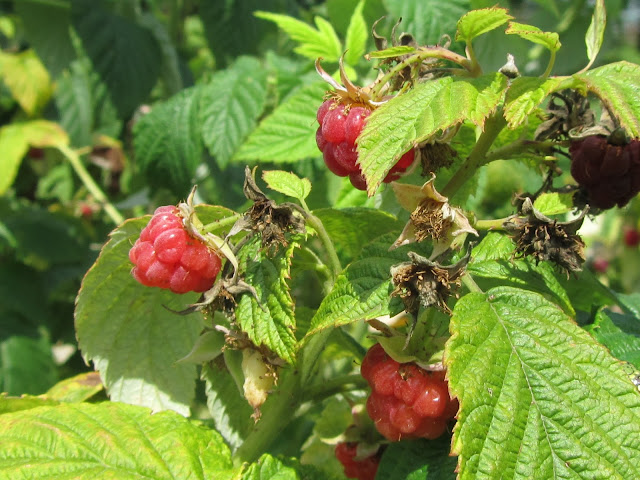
(15, 140)
(392, 52)
(619, 333)
(268, 320)
(130, 334)
(549, 40)
(231, 104)
(27, 80)
(108, 440)
(363, 290)
(107, 39)
(42, 23)
(554, 203)
(287, 183)
(427, 20)
(595, 32)
(229, 410)
(268, 468)
(168, 141)
(418, 460)
(334, 419)
(357, 34)
(430, 107)
(350, 229)
(78, 388)
(288, 134)
(539, 398)
(313, 43)
(493, 261)
(525, 94)
(477, 22)
(618, 86)
(24, 402)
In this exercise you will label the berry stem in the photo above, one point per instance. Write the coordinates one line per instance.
(492, 224)
(471, 284)
(90, 184)
(219, 224)
(552, 61)
(516, 148)
(324, 238)
(492, 128)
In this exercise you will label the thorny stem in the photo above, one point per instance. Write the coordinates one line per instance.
(90, 184)
(492, 128)
(423, 54)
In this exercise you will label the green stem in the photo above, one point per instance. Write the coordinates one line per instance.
(492, 128)
(222, 223)
(474, 67)
(344, 383)
(552, 61)
(471, 284)
(493, 224)
(324, 238)
(520, 146)
(90, 184)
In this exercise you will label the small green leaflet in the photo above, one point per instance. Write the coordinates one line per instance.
(269, 318)
(554, 203)
(418, 460)
(357, 34)
(288, 134)
(539, 397)
(618, 86)
(549, 40)
(108, 440)
(230, 106)
(313, 43)
(595, 33)
(477, 22)
(525, 94)
(392, 52)
(413, 117)
(288, 183)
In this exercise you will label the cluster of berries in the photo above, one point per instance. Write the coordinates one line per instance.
(610, 174)
(360, 469)
(166, 256)
(407, 401)
(340, 126)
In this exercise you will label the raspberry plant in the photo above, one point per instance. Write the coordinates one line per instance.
(388, 268)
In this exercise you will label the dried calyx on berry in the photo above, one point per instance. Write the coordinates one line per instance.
(545, 239)
(567, 111)
(422, 282)
(266, 218)
(434, 156)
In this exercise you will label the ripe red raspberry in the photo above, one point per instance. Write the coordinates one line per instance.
(166, 256)
(609, 174)
(340, 126)
(362, 469)
(406, 401)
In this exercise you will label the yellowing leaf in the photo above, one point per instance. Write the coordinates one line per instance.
(27, 79)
